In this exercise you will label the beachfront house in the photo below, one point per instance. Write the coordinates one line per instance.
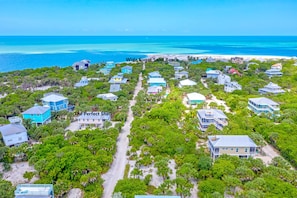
(83, 82)
(108, 96)
(223, 79)
(241, 146)
(95, 119)
(212, 73)
(14, 133)
(154, 89)
(115, 88)
(195, 98)
(210, 60)
(273, 72)
(81, 65)
(186, 82)
(155, 74)
(156, 82)
(109, 65)
(179, 68)
(38, 114)
(56, 102)
(277, 66)
(232, 86)
(271, 88)
(127, 69)
(181, 74)
(34, 191)
(118, 79)
(263, 105)
(206, 117)
(237, 60)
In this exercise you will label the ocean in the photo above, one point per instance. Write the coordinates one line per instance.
(21, 52)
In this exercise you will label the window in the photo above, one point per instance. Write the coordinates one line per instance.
(237, 150)
(10, 140)
(231, 149)
(245, 150)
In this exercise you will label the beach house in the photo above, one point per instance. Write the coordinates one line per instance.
(104, 71)
(118, 79)
(232, 86)
(14, 133)
(83, 82)
(237, 60)
(277, 66)
(181, 74)
(174, 63)
(127, 69)
(212, 73)
(95, 119)
(210, 60)
(56, 102)
(108, 96)
(273, 72)
(154, 74)
(271, 88)
(154, 89)
(109, 65)
(195, 98)
(34, 191)
(156, 82)
(186, 82)
(263, 105)
(38, 114)
(81, 65)
(223, 79)
(206, 117)
(241, 146)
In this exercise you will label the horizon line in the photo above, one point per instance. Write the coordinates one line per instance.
(152, 35)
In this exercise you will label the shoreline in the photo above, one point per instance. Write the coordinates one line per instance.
(220, 56)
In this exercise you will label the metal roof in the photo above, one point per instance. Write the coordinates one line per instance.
(36, 110)
(211, 113)
(263, 101)
(196, 96)
(156, 80)
(187, 82)
(53, 97)
(231, 141)
(11, 129)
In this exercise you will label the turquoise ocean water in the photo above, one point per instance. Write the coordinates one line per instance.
(21, 52)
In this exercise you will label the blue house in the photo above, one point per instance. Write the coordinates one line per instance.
(105, 71)
(127, 69)
(34, 190)
(212, 73)
(38, 114)
(55, 101)
(155, 74)
(156, 82)
(109, 65)
(83, 82)
(14, 133)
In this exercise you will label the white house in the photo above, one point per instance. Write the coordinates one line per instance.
(277, 66)
(93, 118)
(154, 89)
(108, 96)
(195, 98)
(232, 86)
(223, 79)
(273, 72)
(271, 88)
(186, 82)
(181, 74)
(81, 65)
(83, 82)
(14, 133)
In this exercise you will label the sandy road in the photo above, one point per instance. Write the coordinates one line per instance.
(116, 171)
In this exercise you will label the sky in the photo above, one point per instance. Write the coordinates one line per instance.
(148, 17)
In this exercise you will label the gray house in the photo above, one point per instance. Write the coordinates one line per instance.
(14, 133)
(206, 117)
(93, 118)
(271, 88)
(83, 64)
(181, 74)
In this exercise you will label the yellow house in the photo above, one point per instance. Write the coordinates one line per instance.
(237, 145)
